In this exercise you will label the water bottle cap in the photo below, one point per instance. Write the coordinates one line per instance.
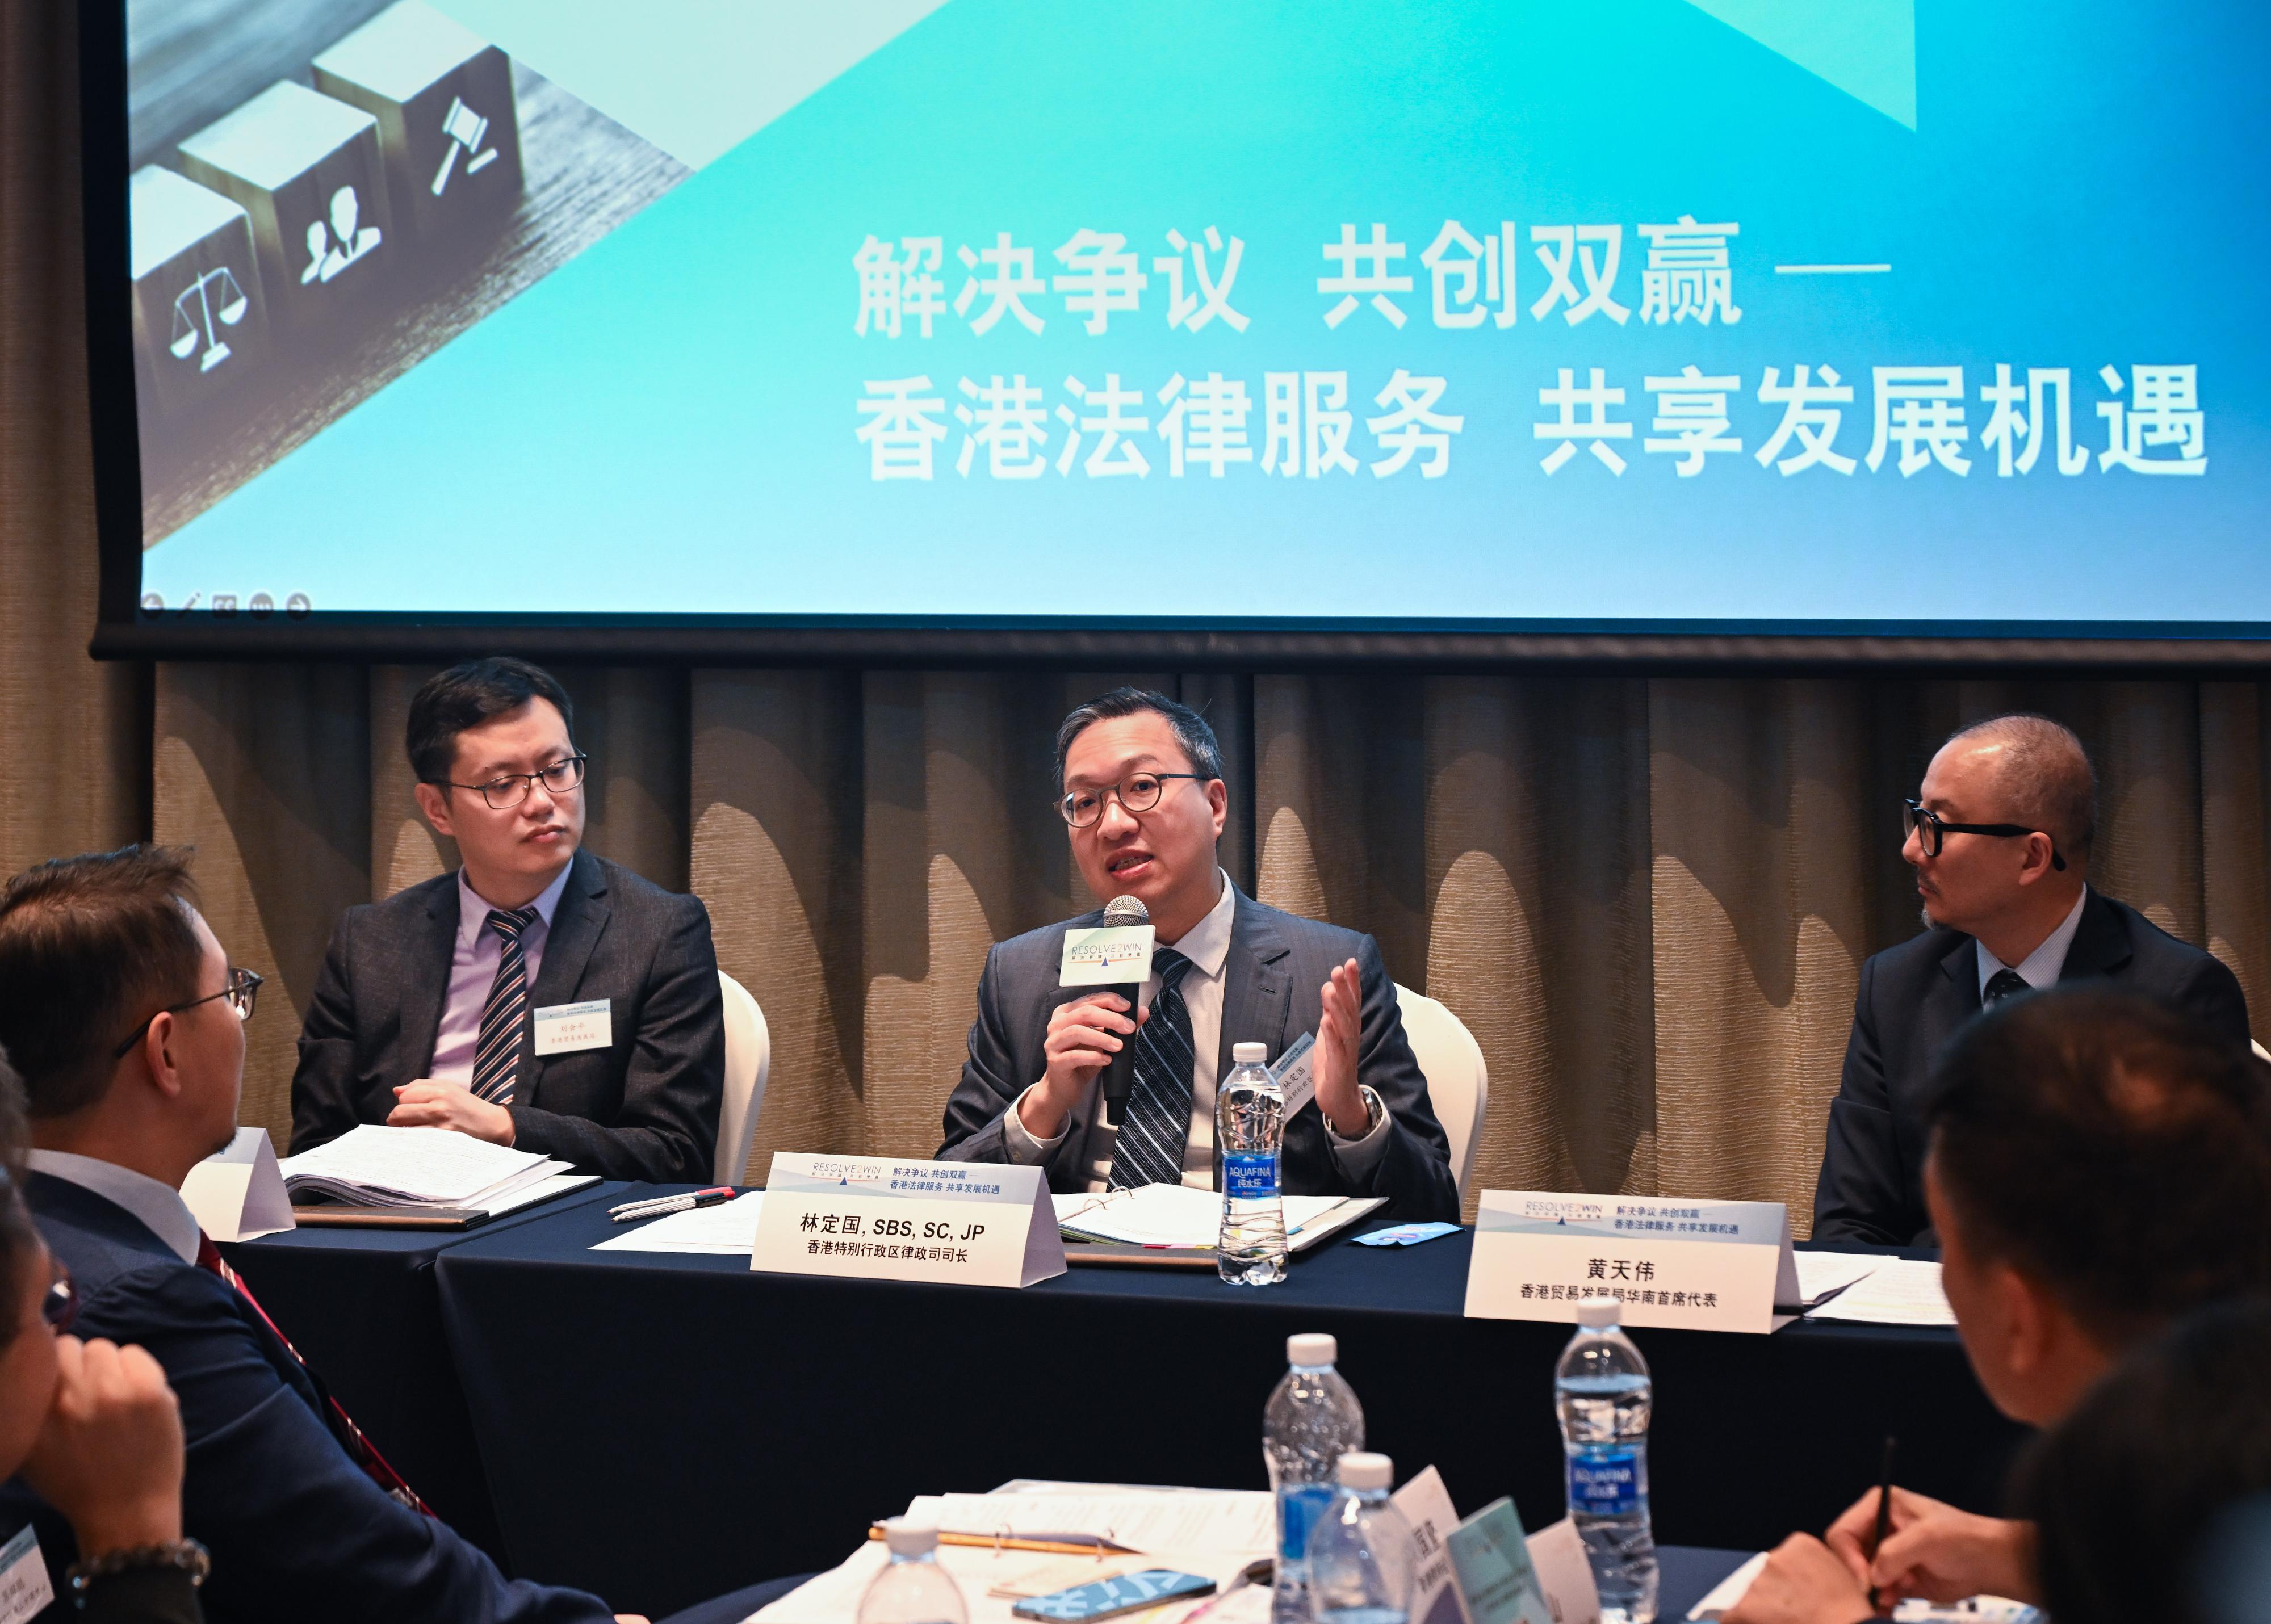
(1312, 1348)
(1364, 1470)
(1249, 1054)
(1599, 1313)
(910, 1539)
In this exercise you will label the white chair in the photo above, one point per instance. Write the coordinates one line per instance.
(2260, 1052)
(1458, 1083)
(748, 1061)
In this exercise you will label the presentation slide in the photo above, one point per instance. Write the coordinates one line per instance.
(1734, 311)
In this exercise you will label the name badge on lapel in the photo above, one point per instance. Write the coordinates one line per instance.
(564, 1028)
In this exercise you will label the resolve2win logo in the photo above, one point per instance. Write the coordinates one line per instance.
(1131, 945)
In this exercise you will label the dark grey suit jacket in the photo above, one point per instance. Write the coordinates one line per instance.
(1272, 981)
(1913, 1000)
(644, 1107)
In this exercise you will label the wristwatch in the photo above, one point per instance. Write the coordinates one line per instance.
(1375, 1112)
(186, 1554)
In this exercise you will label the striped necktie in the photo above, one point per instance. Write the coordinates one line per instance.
(496, 1057)
(1149, 1147)
(359, 1449)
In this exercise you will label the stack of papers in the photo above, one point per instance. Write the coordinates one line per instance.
(1178, 1215)
(1896, 1291)
(1822, 1275)
(727, 1230)
(375, 1166)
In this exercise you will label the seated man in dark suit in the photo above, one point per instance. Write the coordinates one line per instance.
(1145, 801)
(440, 1007)
(1999, 838)
(125, 1020)
(2099, 1166)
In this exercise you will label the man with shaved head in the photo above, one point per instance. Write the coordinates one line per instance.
(1999, 837)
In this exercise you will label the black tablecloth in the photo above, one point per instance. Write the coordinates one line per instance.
(363, 1309)
(660, 1428)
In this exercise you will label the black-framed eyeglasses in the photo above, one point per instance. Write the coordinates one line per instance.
(502, 794)
(242, 992)
(1932, 831)
(1138, 792)
(59, 1304)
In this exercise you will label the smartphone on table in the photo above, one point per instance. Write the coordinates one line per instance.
(1108, 1598)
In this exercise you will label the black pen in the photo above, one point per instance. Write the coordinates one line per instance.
(1884, 1512)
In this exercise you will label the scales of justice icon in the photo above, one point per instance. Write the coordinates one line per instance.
(216, 293)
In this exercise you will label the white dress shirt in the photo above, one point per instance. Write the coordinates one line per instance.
(1207, 945)
(162, 1211)
(2040, 967)
(473, 971)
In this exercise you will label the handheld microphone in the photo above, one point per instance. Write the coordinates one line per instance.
(1119, 1076)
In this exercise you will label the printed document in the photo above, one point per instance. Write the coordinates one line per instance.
(1898, 1290)
(727, 1230)
(1824, 1274)
(378, 1167)
(1182, 1216)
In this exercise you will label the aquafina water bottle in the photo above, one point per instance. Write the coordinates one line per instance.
(1249, 1116)
(1360, 1553)
(1312, 1421)
(1602, 1392)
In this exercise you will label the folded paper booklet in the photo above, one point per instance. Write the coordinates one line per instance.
(1177, 1215)
(376, 1167)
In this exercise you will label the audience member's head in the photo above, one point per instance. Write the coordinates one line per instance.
(2020, 772)
(27, 1354)
(92, 1427)
(122, 1014)
(2139, 1496)
(1145, 802)
(2097, 1167)
(491, 743)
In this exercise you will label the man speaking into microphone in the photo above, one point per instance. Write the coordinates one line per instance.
(1144, 803)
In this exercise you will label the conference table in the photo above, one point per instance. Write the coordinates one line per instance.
(663, 1428)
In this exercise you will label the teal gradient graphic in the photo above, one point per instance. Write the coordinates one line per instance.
(668, 423)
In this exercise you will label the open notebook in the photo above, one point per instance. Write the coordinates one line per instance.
(1177, 1215)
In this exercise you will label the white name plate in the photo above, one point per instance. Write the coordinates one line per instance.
(1693, 1266)
(1106, 956)
(237, 1193)
(879, 1217)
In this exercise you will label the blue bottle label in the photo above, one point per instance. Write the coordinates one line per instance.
(1608, 1482)
(1298, 1507)
(1249, 1175)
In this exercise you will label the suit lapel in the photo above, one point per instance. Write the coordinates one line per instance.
(577, 925)
(422, 991)
(2100, 942)
(1254, 986)
(1956, 998)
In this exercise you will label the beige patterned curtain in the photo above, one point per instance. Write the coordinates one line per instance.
(1649, 898)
